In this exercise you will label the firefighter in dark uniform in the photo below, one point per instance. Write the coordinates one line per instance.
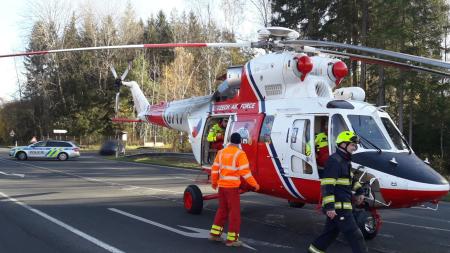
(337, 185)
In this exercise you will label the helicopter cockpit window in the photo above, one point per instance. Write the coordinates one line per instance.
(394, 134)
(337, 126)
(266, 129)
(371, 135)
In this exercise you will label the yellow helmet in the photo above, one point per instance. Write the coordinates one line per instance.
(347, 136)
(321, 140)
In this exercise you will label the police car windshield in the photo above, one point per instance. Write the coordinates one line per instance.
(367, 128)
(39, 144)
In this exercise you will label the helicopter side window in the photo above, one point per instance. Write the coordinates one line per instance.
(366, 127)
(394, 134)
(266, 129)
(300, 140)
(245, 129)
(337, 126)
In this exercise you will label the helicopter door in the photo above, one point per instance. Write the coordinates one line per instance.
(210, 148)
(301, 152)
(247, 126)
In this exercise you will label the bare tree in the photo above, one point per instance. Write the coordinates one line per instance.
(263, 10)
(233, 13)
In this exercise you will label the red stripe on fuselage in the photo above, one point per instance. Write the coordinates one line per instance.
(310, 189)
(175, 45)
(245, 102)
(408, 198)
(156, 115)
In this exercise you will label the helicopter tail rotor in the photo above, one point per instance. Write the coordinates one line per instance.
(118, 84)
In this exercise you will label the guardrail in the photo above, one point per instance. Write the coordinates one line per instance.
(185, 155)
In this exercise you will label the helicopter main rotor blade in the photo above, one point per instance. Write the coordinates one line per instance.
(373, 60)
(378, 52)
(164, 45)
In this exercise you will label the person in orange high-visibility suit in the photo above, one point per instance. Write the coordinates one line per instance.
(229, 166)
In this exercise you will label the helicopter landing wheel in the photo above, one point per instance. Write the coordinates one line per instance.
(193, 200)
(369, 223)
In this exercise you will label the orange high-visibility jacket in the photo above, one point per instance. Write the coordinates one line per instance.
(230, 164)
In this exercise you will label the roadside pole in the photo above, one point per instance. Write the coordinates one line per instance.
(12, 134)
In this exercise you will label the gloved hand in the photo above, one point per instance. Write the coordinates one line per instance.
(214, 186)
(331, 214)
(359, 199)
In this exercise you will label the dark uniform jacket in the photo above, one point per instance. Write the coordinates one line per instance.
(337, 183)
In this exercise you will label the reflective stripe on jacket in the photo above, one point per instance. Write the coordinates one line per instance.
(337, 182)
(230, 164)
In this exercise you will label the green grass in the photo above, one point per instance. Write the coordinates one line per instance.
(163, 160)
(446, 198)
(96, 148)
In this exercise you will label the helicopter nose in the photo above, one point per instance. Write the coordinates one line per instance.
(408, 181)
(430, 187)
(409, 193)
(422, 192)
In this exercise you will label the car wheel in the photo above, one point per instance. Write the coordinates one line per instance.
(193, 199)
(22, 156)
(63, 156)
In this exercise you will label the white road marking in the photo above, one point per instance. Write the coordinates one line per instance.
(185, 178)
(124, 187)
(12, 174)
(249, 240)
(89, 179)
(386, 235)
(278, 205)
(66, 226)
(132, 187)
(153, 165)
(421, 216)
(444, 244)
(416, 226)
(383, 250)
(198, 232)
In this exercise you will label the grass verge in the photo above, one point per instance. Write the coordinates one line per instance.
(163, 160)
(446, 198)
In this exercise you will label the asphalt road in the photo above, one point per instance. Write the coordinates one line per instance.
(96, 205)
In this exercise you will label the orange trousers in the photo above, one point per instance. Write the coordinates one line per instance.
(229, 209)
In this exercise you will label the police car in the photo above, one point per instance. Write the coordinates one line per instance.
(61, 150)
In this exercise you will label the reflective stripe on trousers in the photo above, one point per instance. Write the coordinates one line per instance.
(216, 230)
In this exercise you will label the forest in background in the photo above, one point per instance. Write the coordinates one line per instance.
(74, 91)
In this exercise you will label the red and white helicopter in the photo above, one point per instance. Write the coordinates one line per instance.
(278, 102)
